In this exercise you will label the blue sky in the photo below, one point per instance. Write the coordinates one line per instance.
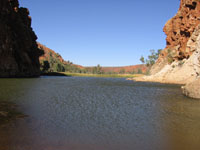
(105, 32)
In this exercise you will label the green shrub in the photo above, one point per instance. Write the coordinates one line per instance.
(169, 56)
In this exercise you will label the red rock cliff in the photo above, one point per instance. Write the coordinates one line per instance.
(179, 29)
(19, 55)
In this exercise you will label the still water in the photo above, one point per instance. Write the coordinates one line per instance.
(80, 113)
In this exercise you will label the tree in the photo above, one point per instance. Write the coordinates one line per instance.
(133, 71)
(139, 71)
(99, 69)
(59, 68)
(44, 67)
(122, 71)
(158, 53)
(152, 58)
(142, 59)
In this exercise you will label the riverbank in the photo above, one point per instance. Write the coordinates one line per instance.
(103, 75)
(53, 74)
(157, 80)
(69, 74)
(190, 89)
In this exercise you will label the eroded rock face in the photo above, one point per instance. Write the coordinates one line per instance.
(181, 71)
(179, 62)
(179, 29)
(19, 55)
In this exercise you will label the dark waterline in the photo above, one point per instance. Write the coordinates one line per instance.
(80, 113)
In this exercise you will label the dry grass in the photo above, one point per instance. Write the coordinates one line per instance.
(103, 75)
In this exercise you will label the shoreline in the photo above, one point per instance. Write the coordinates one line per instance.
(68, 74)
(150, 79)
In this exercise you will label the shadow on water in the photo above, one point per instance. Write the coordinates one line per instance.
(99, 114)
(9, 111)
(55, 74)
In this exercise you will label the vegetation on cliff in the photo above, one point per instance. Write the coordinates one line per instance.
(50, 61)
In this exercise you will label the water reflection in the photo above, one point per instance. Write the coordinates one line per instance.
(99, 113)
(12, 90)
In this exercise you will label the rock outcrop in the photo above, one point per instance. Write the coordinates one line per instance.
(179, 30)
(180, 71)
(192, 89)
(179, 62)
(19, 55)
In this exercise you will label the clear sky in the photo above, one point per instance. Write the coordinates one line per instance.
(105, 32)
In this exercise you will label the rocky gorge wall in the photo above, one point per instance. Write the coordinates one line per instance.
(179, 62)
(179, 30)
(180, 71)
(19, 55)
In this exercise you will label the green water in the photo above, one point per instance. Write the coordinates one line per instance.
(80, 113)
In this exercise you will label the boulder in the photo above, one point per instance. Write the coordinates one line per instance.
(192, 89)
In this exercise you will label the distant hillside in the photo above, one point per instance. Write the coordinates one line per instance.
(51, 61)
(133, 69)
(126, 69)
